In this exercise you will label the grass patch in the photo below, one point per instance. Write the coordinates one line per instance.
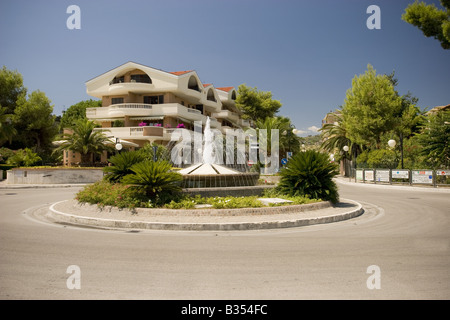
(104, 193)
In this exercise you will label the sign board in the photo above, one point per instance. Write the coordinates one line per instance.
(382, 175)
(359, 175)
(283, 161)
(422, 176)
(288, 154)
(368, 175)
(400, 174)
(443, 172)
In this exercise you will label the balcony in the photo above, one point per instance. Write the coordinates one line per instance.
(119, 111)
(118, 86)
(149, 133)
(227, 115)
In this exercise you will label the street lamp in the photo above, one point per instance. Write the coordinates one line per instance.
(118, 145)
(345, 148)
(392, 143)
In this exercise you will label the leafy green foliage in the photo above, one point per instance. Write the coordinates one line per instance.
(23, 158)
(34, 121)
(155, 178)
(104, 193)
(370, 108)
(121, 165)
(435, 140)
(77, 111)
(432, 21)
(288, 141)
(256, 104)
(382, 158)
(7, 130)
(11, 88)
(148, 152)
(310, 174)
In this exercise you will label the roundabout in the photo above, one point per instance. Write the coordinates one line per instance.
(74, 213)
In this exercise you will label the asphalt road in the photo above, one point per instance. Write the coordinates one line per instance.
(404, 233)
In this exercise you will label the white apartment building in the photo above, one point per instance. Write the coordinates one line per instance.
(143, 105)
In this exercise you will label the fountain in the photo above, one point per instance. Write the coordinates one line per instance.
(215, 179)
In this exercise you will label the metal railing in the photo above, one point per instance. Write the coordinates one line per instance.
(434, 178)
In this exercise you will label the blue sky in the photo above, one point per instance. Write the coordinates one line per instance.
(305, 52)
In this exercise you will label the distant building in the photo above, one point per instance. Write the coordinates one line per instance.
(143, 105)
(331, 117)
(148, 104)
(438, 109)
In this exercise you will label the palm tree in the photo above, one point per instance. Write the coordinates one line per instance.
(7, 130)
(155, 178)
(85, 140)
(311, 174)
(288, 141)
(122, 163)
(335, 138)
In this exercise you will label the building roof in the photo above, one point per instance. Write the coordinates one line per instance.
(179, 73)
(226, 89)
(440, 108)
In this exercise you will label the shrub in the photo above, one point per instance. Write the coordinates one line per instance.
(23, 157)
(104, 193)
(122, 164)
(382, 158)
(155, 178)
(310, 174)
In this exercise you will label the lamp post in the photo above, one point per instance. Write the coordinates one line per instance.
(345, 148)
(118, 145)
(392, 143)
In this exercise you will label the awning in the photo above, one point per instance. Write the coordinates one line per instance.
(147, 118)
(124, 142)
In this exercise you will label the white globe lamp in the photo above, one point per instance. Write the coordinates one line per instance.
(392, 143)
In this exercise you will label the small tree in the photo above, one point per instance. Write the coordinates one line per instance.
(435, 140)
(7, 130)
(256, 105)
(86, 141)
(76, 112)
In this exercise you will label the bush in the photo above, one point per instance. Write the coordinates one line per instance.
(23, 158)
(122, 164)
(382, 158)
(309, 174)
(104, 193)
(155, 178)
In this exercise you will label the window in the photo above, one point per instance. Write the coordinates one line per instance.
(143, 78)
(193, 84)
(116, 100)
(210, 96)
(117, 80)
(154, 99)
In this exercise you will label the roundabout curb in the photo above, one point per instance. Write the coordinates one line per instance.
(217, 223)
